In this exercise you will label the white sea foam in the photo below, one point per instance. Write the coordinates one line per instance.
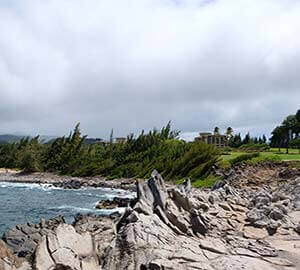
(27, 185)
(108, 193)
(91, 210)
(20, 185)
(74, 208)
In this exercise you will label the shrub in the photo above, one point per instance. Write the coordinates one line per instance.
(243, 157)
(196, 162)
(251, 147)
(262, 159)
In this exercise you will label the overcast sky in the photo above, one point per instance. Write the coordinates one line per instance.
(135, 64)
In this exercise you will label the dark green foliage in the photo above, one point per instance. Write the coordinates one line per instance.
(247, 138)
(264, 139)
(29, 157)
(229, 131)
(24, 154)
(65, 155)
(295, 143)
(289, 130)
(243, 157)
(137, 157)
(207, 182)
(255, 147)
(235, 141)
(196, 162)
(217, 130)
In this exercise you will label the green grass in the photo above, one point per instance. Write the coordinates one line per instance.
(207, 182)
(272, 155)
(262, 158)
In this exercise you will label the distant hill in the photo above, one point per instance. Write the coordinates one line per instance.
(9, 138)
(47, 139)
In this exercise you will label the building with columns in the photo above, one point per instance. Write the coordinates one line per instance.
(217, 139)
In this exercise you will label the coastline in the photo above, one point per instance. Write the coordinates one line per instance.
(241, 228)
(65, 181)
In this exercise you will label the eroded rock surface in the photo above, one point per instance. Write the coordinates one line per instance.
(175, 229)
(64, 248)
(178, 227)
(23, 239)
(9, 261)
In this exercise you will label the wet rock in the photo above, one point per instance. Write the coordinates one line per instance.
(114, 203)
(70, 184)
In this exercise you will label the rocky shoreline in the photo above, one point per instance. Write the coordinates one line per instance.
(67, 182)
(174, 227)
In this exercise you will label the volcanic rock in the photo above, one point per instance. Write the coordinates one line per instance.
(114, 203)
(23, 239)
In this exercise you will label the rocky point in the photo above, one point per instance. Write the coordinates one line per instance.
(173, 227)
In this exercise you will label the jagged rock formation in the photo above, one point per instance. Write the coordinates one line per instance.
(174, 228)
(64, 248)
(23, 239)
(178, 229)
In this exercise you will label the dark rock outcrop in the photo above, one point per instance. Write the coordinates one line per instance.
(23, 239)
(114, 203)
(72, 184)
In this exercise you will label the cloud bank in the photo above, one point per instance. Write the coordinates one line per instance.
(135, 64)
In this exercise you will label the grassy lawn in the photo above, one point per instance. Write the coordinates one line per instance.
(208, 182)
(273, 152)
(271, 155)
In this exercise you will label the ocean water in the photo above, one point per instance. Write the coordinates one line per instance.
(21, 203)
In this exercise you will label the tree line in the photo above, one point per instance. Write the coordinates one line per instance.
(137, 157)
(237, 141)
(287, 134)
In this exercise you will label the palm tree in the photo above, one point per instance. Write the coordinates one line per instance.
(216, 130)
(229, 132)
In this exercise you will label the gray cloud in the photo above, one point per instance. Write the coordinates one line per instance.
(132, 65)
